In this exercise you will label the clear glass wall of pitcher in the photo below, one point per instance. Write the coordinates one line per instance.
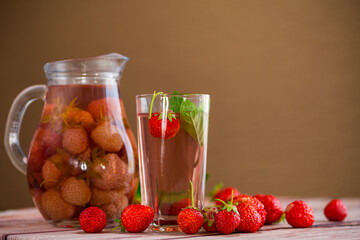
(83, 152)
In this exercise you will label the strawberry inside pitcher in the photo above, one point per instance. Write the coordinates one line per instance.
(83, 153)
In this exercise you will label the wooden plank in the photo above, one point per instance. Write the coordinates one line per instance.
(285, 232)
(24, 221)
(28, 224)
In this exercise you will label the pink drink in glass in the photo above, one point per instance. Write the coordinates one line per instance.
(167, 165)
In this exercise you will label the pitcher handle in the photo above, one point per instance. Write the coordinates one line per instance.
(13, 124)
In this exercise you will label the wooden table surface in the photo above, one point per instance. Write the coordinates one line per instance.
(28, 224)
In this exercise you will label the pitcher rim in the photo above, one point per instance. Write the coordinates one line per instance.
(109, 56)
(109, 66)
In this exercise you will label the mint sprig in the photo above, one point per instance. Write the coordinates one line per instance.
(191, 116)
(192, 119)
(175, 102)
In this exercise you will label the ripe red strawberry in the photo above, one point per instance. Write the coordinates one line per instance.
(272, 207)
(225, 194)
(165, 208)
(190, 218)
(176, 207)
(335, 210)
(137, 218)
(227, 219)
(243, 198)
(92, 220)
(161, 127)
(250, 219)
(209, 214)
(242, 195)
(300, 215)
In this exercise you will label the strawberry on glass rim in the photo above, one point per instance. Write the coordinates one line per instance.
(163, 124)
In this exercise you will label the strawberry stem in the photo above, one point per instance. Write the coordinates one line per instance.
(192, 193)
(152, 102)
(220, 201)
(229, 206)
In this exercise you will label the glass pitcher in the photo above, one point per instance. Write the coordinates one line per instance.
(83, 152)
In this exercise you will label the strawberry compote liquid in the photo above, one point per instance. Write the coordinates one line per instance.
(166, 166)
(83, 154)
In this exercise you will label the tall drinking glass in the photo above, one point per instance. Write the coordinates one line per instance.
(172, 135)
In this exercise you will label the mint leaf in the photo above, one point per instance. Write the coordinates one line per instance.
(175, 103)
(192, 118)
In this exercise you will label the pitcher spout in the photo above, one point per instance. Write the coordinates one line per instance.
(118, 60)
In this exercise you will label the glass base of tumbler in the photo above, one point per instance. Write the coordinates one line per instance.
(164, 226)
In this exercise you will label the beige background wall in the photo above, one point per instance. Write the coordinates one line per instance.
(284, 78)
